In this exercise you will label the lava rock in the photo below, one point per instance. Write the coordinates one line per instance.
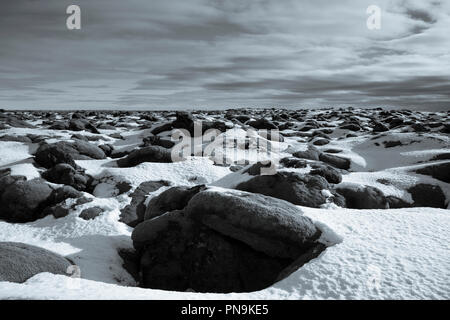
(147, 154)
(304, 190)
(329, 173)
(20, 261)
(65, 174)
(272, 226)
(335, 161)
(22, 201)
(363, 197)
(134, 213)
(440, 171)
(91, 213)
(312, 153)
(427, 195)
(175, 198)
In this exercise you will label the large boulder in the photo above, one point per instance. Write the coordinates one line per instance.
(175, 198)
(224, 241)
(363, 197)
(440, 171)
(134, 213)
(147, 154)
(272, 226)
(305, 190)
(427, 195)
(335, 161)
(22, 201)
(262, 124)
(20, 261)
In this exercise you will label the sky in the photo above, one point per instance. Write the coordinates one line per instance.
(210, 54)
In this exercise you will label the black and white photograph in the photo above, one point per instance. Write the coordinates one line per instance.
(224, 150)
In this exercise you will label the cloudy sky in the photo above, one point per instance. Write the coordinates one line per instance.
(158, 54)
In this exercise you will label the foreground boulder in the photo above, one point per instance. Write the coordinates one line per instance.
(224, 241)
(20, 261)
(147, 154)
(305, 190)
(272, 226)
(363, 197)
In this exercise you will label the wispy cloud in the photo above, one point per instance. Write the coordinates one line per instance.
(221, 53)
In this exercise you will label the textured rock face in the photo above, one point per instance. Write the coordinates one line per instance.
(335, 161)
(304, 190)
(147, 154)
(224, 241)
(134, 213)
(20, 261)
(64, 173)
(22, 200)
(363, 197)
(427, 195)
(440, 171)
(175, 198)
(49, 155)
(268, 225)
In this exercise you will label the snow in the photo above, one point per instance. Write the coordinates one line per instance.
(382, 254)
(12, 152)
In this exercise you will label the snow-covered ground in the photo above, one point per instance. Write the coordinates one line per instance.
(384, 254)
(380, 254)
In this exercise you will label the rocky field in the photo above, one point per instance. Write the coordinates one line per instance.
(303, 204)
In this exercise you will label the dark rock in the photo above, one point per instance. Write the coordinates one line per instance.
(63, 173)
(379, 127)
(262, 124)
(363, 197)
(90, 213)
(321, 142)
(23, 139)
(427, 195)
(147, 154)
(157, 141)
(397, 203)
(175, 198)
(20, 261)
(22, 200)
(162, 128)
(272, 226)
(304, 190)
(351, 127)
(134, 213)
(107, 149)
(291, 162)
(335, 161)
(312, 153)
(439, 171)
(48, 155)
(224, 243)
(329, 173)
